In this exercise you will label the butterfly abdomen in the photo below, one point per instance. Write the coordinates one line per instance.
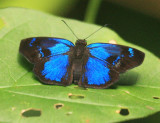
(77, 69)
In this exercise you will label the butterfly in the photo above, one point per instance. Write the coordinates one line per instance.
(58, 61)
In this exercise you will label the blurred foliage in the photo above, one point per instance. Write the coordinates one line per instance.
(149, 7)
(92, 10)
(58, 7)
(132, 26)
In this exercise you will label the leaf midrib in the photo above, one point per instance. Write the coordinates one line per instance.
(71, 101)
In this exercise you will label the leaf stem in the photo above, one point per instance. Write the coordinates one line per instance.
(92, 10)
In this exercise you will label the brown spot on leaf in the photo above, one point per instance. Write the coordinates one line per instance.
(117, 111)
(68, 113)
(149, 107)
(87, 121)
(75, 96)
(127, 92)
(156, 97)
(58, 105)
(31, 112)
(69, 94)
(112, 42)
(13, 108)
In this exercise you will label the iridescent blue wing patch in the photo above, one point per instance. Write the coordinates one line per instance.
(106, 61)
(97, 74)
(38, 48)
(57, 70)
(120, 58)
(51, 58)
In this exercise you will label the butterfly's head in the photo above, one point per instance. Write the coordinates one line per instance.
(81, 42)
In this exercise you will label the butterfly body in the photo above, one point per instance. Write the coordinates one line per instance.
(79, 59)
(60, 62)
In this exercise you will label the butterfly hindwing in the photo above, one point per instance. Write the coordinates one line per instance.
(97, 74)
(105, 62)
(57, 70)
(51, 58)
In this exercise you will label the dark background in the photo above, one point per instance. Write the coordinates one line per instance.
(132, 26)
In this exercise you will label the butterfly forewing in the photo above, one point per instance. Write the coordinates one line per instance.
(37, 48)
(52, 58)
(121, 58)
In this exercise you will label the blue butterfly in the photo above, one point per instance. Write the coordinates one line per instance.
(58, 61)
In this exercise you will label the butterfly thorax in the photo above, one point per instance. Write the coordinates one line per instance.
(80, 47)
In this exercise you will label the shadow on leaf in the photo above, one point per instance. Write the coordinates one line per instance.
(129, 78)
(150, 119)
(24, 63)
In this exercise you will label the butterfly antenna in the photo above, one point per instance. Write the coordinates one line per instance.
(70, 29)
(96, 31)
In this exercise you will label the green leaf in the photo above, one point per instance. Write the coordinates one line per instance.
(58, 7)
(24, 99)
(1, 23)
